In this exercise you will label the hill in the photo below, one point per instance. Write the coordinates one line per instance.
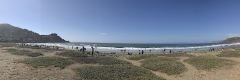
(232, 40)
(10, 33)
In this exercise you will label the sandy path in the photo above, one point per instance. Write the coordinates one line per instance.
(11, 70)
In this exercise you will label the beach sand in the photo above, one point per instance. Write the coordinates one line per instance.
(10, 69)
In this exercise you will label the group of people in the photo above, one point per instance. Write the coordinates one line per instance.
(83, 49)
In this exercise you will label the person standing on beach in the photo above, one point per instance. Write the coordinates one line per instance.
(139, 51)
(142, 51)
(92, 50)
(83, 49)
(77, 48)
(164, 51)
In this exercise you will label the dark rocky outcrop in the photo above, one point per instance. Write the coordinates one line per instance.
(9, 33)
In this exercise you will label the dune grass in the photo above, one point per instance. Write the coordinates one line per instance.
(70, 53)
(164, 64)
(41, 62)
(99, 60)
(229, 53)
(24, 52)
(115, 72)
(208, 62)
(89, 59)
(177, 55)
(140, 57)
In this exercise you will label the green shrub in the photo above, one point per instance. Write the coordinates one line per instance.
(99, 60)
(140, 57)
(164, 64)
(72, 54)
(116, 72)
(177, 55)
(40, 62)
(237, 49)
(24, 52)
(208, 62)
(228, 53)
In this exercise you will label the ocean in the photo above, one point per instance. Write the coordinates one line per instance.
(141, 45)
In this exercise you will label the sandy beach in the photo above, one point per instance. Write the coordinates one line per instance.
(11, 69)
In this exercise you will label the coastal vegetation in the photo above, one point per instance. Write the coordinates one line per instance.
(116, 72)
(42, 62)
(100, 60)
(71, 53)
(24, 52)
(177, 55)
(140, 57)
(166, 65)
(208, 62)
(229, 53)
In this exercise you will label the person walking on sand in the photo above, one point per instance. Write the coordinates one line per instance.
(139, 51)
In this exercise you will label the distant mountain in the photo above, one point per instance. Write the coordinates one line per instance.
(232, 40)
(9, 33)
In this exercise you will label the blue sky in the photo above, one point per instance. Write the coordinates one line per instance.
(138, 21)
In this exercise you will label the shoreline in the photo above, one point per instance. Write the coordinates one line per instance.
(216, 47)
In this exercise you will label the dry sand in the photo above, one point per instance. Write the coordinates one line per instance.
(10, 69)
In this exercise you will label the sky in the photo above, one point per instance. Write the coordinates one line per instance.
(126, 21)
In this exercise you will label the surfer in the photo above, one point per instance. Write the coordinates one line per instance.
(142, 51)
